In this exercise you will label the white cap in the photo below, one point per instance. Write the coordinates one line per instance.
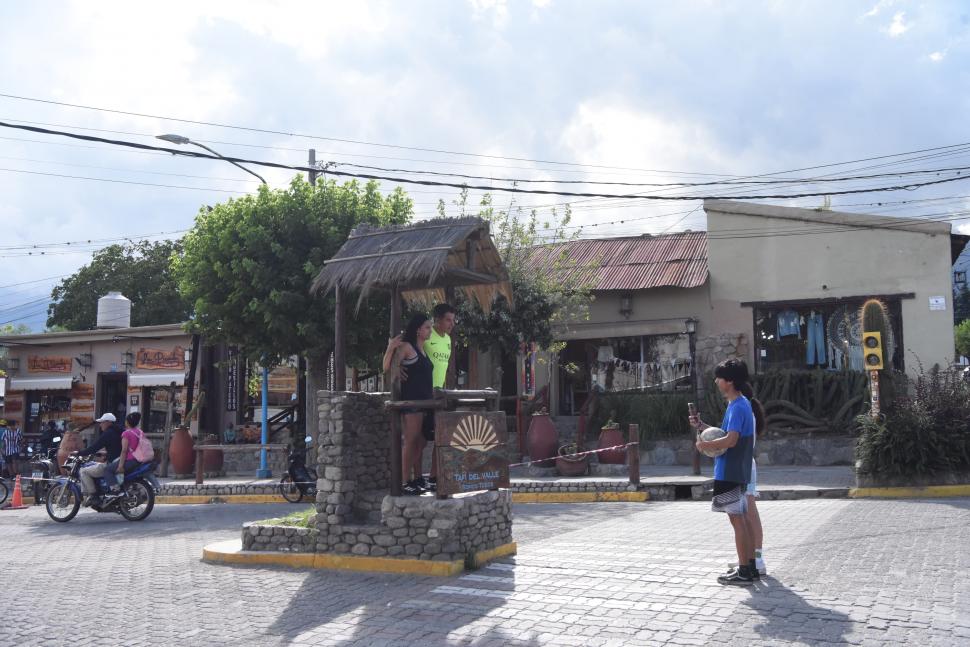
(108, 417)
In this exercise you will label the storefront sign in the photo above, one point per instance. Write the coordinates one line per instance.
(153, 359)
(529, 370)
(282, 379)
(232, 379)
(13, 402)
(472, 453)
(48, 364)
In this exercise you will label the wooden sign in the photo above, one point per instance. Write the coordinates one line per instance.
(282, 379)
(152, 359)
(48, 364)
(472, 452)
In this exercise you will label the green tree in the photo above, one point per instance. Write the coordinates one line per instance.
(545, 300)
(12, 329)
(141, 271)
(961, 335)
(248, 265)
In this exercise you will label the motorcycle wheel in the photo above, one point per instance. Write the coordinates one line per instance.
(63, 502)
(138, 501)
(289, 490)
(4, 491)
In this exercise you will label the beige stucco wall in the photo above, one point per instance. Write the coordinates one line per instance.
(821, 254)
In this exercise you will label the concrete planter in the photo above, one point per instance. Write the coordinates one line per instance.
(882, 480)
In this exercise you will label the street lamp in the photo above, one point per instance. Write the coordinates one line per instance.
(181, 140)
(263, 472)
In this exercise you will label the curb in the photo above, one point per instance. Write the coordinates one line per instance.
(579, 497)
(231, 552)
(929, 491)
(195, 499)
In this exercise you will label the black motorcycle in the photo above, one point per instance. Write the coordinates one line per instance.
(135, 501)
(43, 468)
(299, 480)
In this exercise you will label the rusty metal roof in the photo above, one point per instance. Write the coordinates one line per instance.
(631, 263)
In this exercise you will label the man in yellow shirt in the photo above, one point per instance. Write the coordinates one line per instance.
(438, 346)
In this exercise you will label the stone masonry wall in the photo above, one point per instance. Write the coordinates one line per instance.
(711, 351)
(355, 513)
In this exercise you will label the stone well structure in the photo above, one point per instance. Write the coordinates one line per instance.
(356, 515)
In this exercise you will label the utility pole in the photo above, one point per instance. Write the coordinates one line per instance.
(312, 163)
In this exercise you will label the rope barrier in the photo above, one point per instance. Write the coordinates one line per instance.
(592, 451)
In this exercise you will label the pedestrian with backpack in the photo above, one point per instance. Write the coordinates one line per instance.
(135, 450)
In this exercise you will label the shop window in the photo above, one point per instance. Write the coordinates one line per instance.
(826, 336)
(156, 408)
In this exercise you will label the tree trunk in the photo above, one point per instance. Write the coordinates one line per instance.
(316, 380)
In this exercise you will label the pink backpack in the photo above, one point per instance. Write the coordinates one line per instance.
(144, 451)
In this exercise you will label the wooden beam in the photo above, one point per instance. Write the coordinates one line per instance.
(395, 431)
(339, 342)
(381, 254)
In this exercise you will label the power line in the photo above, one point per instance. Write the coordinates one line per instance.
(117, 181)
(513, 189)
(90, 241)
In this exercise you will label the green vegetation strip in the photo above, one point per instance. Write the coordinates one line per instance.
(300, 519)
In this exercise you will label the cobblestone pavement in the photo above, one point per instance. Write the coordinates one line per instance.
(841, 571)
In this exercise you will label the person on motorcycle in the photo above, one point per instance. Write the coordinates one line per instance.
(130, 438)
(110, 441)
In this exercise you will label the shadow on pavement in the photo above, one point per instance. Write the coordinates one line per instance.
(788, 617)
(395, 609)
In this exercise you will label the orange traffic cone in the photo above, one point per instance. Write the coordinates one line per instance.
(18, 497)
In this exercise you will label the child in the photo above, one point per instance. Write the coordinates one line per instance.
(732, 469)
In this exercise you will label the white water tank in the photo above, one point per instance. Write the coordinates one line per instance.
(114, 311)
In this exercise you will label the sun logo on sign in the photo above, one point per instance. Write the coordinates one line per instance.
(475, 432)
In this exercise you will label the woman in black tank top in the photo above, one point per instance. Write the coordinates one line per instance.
(407, 350)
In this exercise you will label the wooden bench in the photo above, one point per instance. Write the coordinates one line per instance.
(243, 447)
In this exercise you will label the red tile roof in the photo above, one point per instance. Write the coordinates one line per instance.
(632, 263)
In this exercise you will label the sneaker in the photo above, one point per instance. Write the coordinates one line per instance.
(411, 488)
(733, 568)
(89, 500)
(429, 484)
(735, 579)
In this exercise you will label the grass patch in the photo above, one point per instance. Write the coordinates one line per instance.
(299, 519)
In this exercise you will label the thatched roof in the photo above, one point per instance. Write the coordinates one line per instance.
(421, 259)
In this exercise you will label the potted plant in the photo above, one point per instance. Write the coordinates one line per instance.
(571, 466)
(542, 439)
(610, 436)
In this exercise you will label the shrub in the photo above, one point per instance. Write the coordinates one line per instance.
(927, 434)
(660, 416)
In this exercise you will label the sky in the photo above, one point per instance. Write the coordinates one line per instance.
(541, 89)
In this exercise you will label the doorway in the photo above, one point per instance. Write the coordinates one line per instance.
(112, 393)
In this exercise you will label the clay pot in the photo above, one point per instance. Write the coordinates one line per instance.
(70, 442)
(542, 440)
(181, 454)
(212, 458)
(610, 437)
(571, 466)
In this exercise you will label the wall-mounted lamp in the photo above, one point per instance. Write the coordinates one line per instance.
(127, 359)
(84, 360)
(626, 304)
(13, 364)
(187, 355)
(690, 325)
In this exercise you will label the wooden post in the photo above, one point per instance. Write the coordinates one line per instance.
(633, 453)
(199, 467)
(339, 355)
(451, 379)
(167, 437)
(396, 470)
(695, 456)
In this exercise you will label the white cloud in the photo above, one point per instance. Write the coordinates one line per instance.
(541, 4)
(936, 57)
(879, 6)
(497, 9)
(898, 27)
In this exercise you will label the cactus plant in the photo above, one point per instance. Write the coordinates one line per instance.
(874, 317)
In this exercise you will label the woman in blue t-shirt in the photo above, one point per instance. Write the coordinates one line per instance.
(732, 469)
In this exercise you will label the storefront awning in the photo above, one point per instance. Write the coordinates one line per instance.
(156, 379)
(41, 383)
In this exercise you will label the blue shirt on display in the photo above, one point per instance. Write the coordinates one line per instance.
(735, 464)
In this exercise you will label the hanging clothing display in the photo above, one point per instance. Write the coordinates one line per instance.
(816, 339)
(789, 324)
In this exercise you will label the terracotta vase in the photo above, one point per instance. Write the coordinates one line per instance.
(70, 442)
(212, 458)
(610, 437)
(181, 454)
(542, 440)
(571, 466)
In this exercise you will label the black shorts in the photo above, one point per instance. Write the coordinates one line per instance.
(730, 498)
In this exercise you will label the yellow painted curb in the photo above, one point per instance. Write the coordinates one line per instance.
(579, 497)
(929, 491)
(231, 552)
(195, 499)
(481, 558)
